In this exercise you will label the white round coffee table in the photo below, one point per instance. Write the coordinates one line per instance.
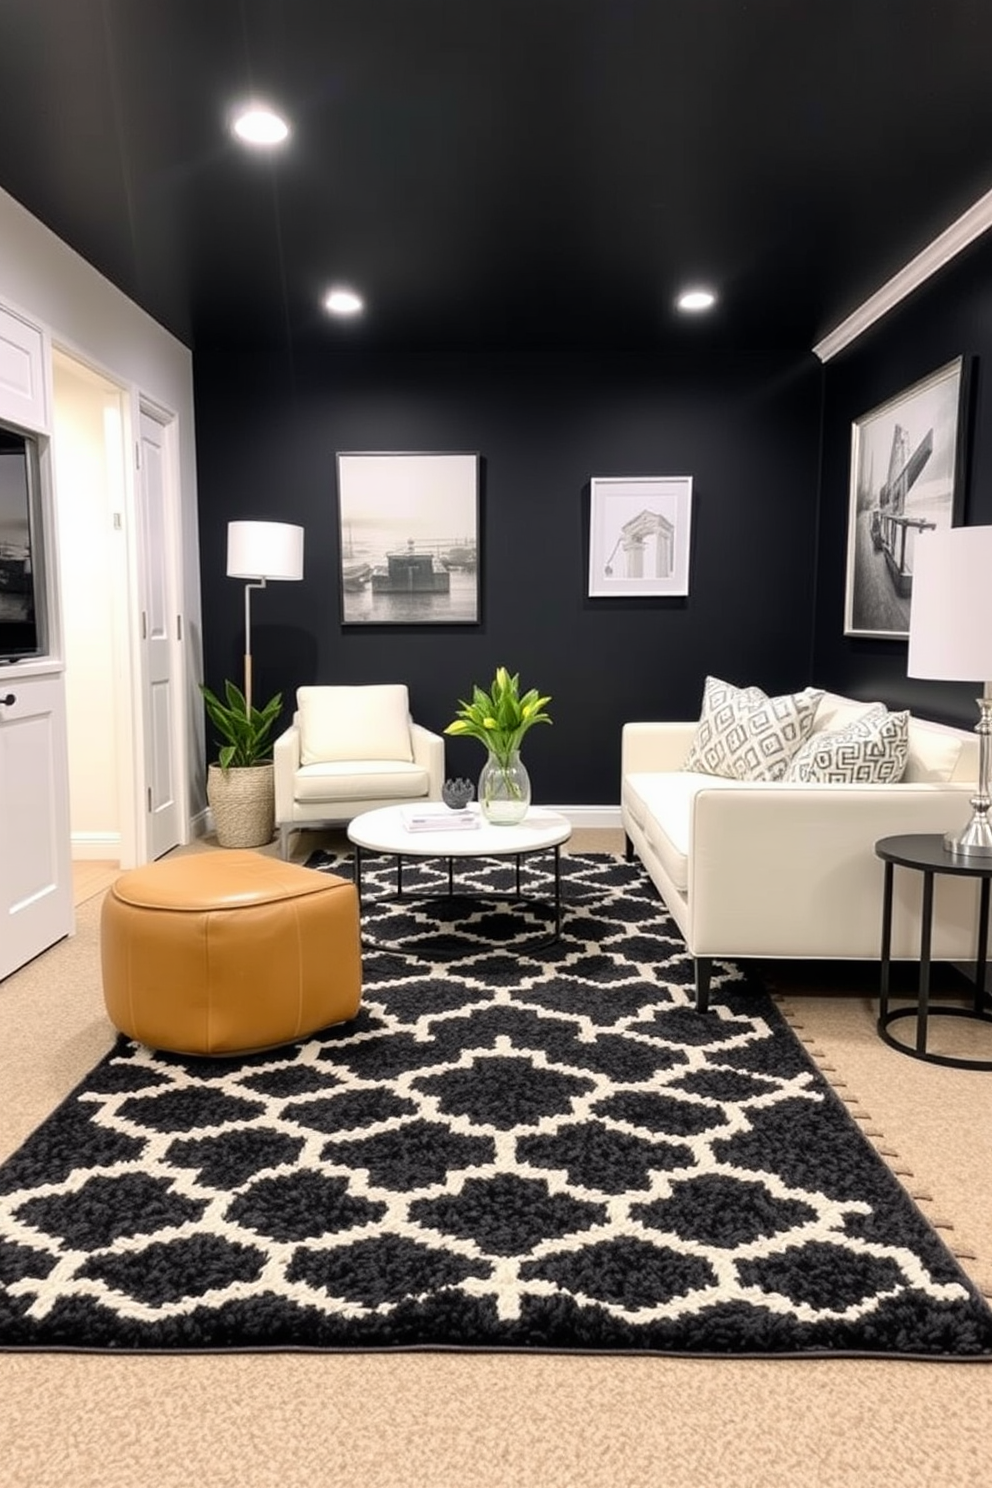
(391, 830)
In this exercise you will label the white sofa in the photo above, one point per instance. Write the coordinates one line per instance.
(775, 869)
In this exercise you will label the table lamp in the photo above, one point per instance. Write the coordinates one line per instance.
(258, 552)
(950, 639)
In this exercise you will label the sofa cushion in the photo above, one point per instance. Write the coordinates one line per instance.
(743, 734)
(835, 712)
(354, 723)
(870, 750)
(351, 780)
(935, 751)
(661, 803)
(934, 748)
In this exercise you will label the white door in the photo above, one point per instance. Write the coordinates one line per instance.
(160, 642)
(35, 864)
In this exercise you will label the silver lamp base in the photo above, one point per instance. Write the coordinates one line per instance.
(975, 841)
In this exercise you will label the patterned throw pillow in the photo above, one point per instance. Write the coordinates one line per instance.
(745, 735)
(870, 750)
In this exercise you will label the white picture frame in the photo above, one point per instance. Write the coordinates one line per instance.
(639, 536)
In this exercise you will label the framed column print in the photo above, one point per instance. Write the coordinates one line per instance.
(409, 529)
(639, 528)
(907, 475)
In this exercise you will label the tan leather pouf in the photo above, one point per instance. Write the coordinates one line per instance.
(227, 952)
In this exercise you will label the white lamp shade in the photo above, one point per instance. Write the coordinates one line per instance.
(264, 550)
(950, 622)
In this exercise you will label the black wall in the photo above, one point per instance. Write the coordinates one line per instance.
(948, 317)
(745, 428)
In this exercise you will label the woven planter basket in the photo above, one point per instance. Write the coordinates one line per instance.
(242, 802)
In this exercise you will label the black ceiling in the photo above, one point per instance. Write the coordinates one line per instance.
(493, 172)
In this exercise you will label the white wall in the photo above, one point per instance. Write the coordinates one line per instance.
(87, 316)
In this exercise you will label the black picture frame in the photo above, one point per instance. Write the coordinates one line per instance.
(907, 474)
(408, 524)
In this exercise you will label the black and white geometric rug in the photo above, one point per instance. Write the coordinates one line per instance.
(545, 1151)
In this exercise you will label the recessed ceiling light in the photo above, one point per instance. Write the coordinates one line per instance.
(259, 125)
(696, 299)
(342, 301)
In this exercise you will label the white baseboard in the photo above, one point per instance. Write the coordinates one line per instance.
(201, 825)
(95, 847)
(602, 818)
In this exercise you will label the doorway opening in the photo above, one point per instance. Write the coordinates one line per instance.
(106, 579)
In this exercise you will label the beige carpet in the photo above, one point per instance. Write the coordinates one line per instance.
(512, 1421)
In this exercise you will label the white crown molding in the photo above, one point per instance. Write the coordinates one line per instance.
(969, 226)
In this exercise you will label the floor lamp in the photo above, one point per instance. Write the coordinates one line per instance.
(950, 638)
(258, 552)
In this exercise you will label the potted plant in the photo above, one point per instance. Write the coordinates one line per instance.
(499, 719)
(240, 786)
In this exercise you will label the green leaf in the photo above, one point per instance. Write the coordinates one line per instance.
(235, 698)
(245, 732)
(496, 718)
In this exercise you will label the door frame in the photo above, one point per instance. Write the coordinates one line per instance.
(146, 407)
(128, 723)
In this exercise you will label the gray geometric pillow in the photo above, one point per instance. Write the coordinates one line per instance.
(871, 750)
(745, 735)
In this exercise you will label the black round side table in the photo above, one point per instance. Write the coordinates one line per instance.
(927, 854)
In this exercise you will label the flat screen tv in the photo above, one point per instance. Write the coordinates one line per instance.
(21, 594)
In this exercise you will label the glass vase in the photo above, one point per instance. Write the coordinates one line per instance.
(504, 790)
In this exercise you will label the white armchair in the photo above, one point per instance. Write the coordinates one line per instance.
(349, 750)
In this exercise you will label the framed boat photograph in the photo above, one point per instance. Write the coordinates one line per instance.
(907, 476)
(409, 536)
(639, 529)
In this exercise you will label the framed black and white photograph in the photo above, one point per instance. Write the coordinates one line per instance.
(409, 531)
(907, 476)
(639, 529)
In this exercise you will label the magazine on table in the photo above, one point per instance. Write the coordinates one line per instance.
(439, 819)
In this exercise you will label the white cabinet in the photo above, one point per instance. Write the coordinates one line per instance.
(35, 862)
(23, 372)
(36, 901)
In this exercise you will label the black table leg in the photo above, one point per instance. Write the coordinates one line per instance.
(928, 855)
(883, 997)
(982, 962)
(926, 931)
(537, 943)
